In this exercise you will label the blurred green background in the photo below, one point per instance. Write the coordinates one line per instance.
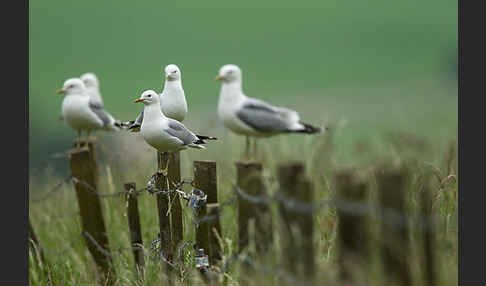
(376, 64)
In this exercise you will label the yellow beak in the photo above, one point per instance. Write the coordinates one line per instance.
(219, 78)
(59, 91)
(138, 100)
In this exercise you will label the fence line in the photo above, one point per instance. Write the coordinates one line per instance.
(391, 216)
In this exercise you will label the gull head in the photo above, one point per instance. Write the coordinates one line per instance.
(90, 80)
(172, 72)
(229, 73)
(148, 97)
(72, 86)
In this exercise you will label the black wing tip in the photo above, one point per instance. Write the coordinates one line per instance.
(202, 137)
(309, 129)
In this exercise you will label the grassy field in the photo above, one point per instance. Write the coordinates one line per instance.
(413, 121)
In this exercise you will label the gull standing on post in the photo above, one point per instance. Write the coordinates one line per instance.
(163, 133)
(253, 117)
(80, 113)
(172, 100)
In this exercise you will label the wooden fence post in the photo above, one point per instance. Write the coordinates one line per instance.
(305, 222)
(249, 180)
(84, 170)
(289, 176)
(209, 185)
(162, 183)
(353, 238)
(428, 233)
(394, 225)
(134, 226)
(204, 180)
(215, 234)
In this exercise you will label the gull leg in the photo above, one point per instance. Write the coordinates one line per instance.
(78, 141)
(254, 146)
(247, 148)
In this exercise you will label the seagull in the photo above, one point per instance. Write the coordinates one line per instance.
(253, 117)
(93, 85)
(163, 133)
(80, 112)
(172, 100)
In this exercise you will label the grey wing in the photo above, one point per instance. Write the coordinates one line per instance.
(179, 131)
(101, 113)
(262, 116)
(139, 119)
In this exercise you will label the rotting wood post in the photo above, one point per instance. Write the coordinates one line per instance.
(162, 183)
(84, 170)
(38, 254)
(289, 176)
(174, 174)
(249, 180)
(205, 181)
(394, 225)
(210, 188)
(305, 220)
(353, 226)
(215, 235)
(134, 226)
(428, 233)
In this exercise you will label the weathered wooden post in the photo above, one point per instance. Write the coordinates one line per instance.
(353, 238)
(215, 235)
(134, 226)
(162, 183)
(394, 225)
(209, 185)
(249, 180)
(305, 222)
(205, 181)
(289, 176)
(84, 170)
(428, 233)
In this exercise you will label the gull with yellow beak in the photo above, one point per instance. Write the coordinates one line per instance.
(80, 113)
(172, 100)
(253, 117)
(163, 133)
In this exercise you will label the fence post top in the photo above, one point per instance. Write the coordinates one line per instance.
(248, 164)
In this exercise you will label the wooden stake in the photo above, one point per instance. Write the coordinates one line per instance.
(353, 238)
(204, 180)
(85, 170)
(395, 234)
(428, 232)
(163, 203)
(134, 226)
(289, 176)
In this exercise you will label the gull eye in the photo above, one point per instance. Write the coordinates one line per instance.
(71, 86)
(149, 95)
(174, 72)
